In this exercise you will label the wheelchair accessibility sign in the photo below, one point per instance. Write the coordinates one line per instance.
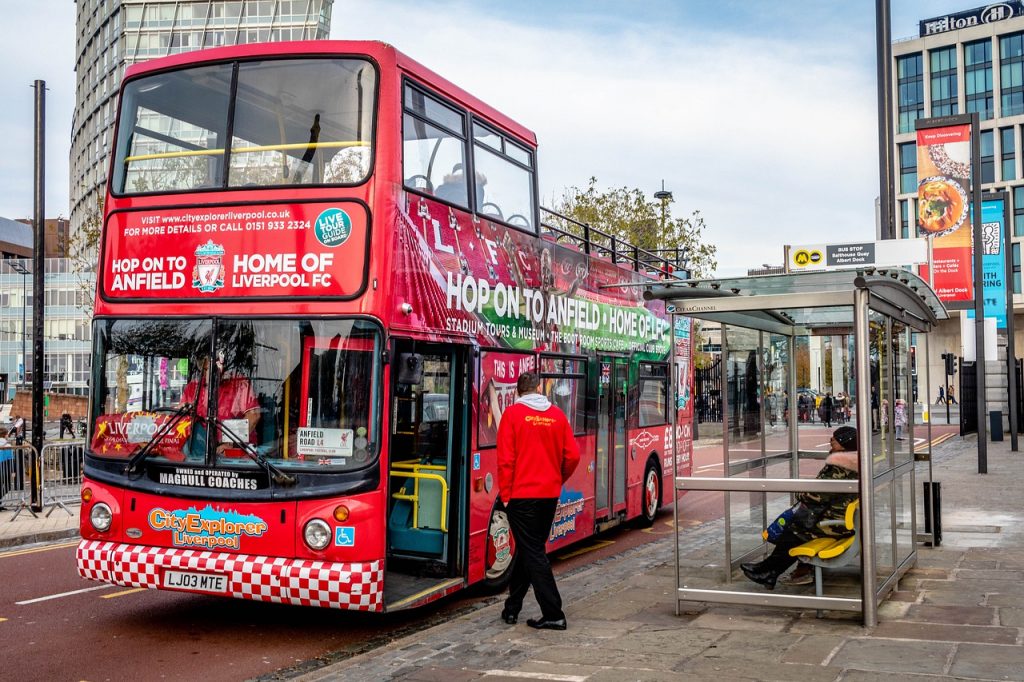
(345, 536)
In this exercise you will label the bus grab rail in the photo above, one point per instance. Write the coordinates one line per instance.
(415, 497)
(587, 238)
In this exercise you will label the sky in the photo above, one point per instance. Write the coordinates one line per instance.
(760, 114)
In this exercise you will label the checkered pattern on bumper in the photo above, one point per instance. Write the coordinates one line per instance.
(351, 586)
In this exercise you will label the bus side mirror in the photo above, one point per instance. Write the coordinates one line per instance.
(410, 368)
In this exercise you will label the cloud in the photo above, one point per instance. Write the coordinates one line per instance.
(773, 141)
(39, 43)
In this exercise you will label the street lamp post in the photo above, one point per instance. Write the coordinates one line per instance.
(19, 267)
(664, 196)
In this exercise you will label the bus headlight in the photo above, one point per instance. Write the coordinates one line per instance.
(101, 517)
(317, 534)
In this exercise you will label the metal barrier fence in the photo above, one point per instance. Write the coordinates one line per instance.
(16, 478)
(58, 479)
(61, 478)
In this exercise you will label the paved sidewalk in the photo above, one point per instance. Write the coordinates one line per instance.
(958, 614)
(26, 528)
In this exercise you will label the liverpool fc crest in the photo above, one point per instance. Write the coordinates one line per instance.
(208, 273)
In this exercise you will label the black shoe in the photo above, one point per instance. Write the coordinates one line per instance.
(545, 624)
(509, 617)
(761, 577)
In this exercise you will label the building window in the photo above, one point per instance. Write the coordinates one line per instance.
(904, 219)
(1016, 267)
(988, 157)
(978, 77)
(910, 84)
(1006, 153)
(944, 82)
(1011, 74)
(908, 168)
(1018, 211)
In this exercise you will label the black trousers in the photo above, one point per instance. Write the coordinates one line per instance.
(531, 523)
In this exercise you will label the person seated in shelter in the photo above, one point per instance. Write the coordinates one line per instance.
(842, 463)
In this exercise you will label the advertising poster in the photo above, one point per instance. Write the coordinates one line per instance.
(993, 261)
(506, 289)
(944, 171)
(300, 250)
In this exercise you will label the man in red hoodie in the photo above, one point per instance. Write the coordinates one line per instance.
(536, 455)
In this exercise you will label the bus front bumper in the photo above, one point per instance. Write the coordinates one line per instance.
(303, 582)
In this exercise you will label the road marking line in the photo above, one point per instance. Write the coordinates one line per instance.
(121, 594)
(535, 676)
(63, 594)
(597, 545)
(20, 552)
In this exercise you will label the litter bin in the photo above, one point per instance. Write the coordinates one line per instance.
(995, 425)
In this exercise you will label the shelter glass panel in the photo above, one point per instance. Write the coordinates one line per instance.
(904, 521)
(880, 351)
(883, 518)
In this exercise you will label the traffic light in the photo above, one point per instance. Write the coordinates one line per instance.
(950, 366)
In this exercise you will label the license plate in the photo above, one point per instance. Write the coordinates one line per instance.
(206, 582)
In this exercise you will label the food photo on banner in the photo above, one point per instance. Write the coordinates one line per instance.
(944, 171)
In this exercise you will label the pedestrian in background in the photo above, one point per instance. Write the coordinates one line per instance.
(67, 425)
(536, 454)
(17, 430)
(899, 419)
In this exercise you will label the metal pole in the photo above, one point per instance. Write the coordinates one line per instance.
(883, 49)
(1011, 352)
(675, 441)
(979, 299)
(38, 259)
(24, 328)
(867, 534)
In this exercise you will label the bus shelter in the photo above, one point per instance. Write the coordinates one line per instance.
(855, 332)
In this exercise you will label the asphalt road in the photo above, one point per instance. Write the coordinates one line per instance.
(56, 626)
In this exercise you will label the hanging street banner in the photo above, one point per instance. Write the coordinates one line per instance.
(993, 261)
(885, 253)
(944, 171)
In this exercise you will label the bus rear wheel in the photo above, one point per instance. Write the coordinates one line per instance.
(501, 550)
(652, 494)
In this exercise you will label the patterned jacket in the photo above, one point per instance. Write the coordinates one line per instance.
(842, 465)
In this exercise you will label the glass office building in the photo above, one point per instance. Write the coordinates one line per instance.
(965, 62)
(112, 34)
(66, 326)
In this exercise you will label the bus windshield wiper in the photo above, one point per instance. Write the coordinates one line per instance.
(279, 477)
(146, 450)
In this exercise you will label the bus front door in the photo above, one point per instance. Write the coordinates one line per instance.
(610, 486)
(427, 410)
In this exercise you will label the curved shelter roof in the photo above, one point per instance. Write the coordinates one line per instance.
(795, 303)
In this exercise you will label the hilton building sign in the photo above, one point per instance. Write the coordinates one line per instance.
(997, 11)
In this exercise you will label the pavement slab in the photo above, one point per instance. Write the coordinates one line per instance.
(884, 655)
(988, 662)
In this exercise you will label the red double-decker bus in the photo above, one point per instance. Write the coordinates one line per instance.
(323, 268)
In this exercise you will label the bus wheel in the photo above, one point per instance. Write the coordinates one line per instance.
(501, 550)
(652, 494)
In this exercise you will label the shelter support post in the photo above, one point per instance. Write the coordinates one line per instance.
(861, 297)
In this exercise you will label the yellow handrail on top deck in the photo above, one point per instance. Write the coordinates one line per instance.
(245, 150)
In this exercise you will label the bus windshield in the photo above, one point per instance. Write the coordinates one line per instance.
(301, 393)
(257, 123)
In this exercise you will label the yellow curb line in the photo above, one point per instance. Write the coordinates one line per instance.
(124, 592)
(34, 550)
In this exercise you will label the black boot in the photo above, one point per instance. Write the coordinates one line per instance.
(768, 571)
